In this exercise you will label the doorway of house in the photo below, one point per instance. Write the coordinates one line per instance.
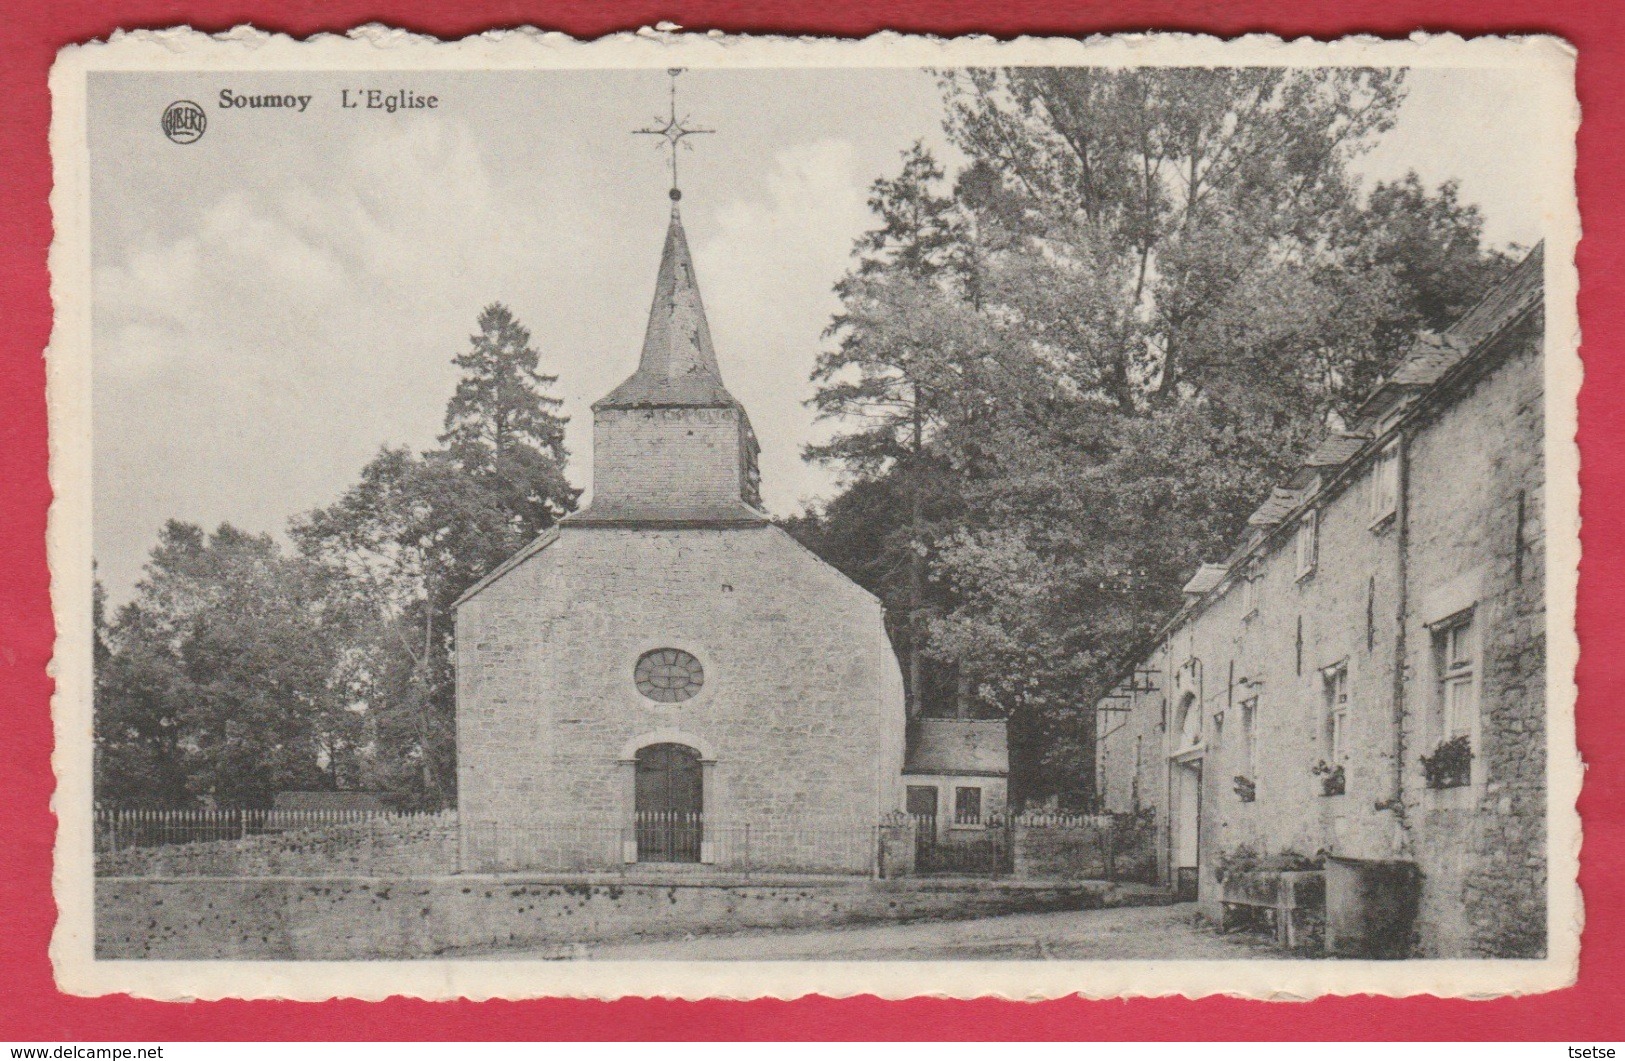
(922, 807)
(1186, 841)
(669, 803)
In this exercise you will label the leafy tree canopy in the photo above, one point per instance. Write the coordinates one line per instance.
(218, 679)
(1080, 362)
(239, 671)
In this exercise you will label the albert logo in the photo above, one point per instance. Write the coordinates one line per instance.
(184, 121)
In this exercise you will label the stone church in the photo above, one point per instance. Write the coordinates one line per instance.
(666, 676)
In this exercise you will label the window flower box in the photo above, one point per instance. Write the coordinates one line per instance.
(1450, 765)
(1333, 779)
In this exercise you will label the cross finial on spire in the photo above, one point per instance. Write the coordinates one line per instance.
(673, 132)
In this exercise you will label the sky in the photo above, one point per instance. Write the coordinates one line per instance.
(274, 302)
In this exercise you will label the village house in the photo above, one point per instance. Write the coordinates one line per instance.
(1362, 682)
(667, 677)
(957, 773)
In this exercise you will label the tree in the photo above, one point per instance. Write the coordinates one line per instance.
(238, 671)
(402, 545)
(218, 682)
(417, 530)
(1159, 286)
(504, 429)
(1175, 203)
(906, 339)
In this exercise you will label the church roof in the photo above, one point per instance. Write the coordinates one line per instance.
(679, 366)
(537, 544)
(659, 512)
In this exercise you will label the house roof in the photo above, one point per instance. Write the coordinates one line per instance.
(957, 746)
(1433, 354)
(1333, 452)
(1280, 504)
(1207, 576)
(1520, 288)
(1428, 358)
(678, 366)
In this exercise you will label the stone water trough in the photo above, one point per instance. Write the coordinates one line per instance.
(1291, 901)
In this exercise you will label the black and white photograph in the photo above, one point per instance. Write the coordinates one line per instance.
(715, 516)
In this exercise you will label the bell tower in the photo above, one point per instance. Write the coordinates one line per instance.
(671, 445)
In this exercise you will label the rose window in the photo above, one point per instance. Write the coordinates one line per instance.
(668, 675)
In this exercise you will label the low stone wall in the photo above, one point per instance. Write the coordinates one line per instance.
(403, 845)
(361, 918)
(1093, 847)
(897, 848)
(1038, 847)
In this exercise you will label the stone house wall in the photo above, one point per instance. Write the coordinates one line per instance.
(1376, 592)
(799, 723)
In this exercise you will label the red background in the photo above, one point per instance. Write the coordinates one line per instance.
(32, 1009)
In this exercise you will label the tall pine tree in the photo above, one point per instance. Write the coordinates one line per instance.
(504, 428)
(419, 529)
(894, 378)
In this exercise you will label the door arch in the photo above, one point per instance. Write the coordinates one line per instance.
(669, 803)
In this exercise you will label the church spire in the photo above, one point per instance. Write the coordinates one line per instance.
(679, 365)
(671, 446)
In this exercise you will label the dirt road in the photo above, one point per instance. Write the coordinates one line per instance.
(1170, 933)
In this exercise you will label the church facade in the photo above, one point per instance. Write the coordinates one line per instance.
(666, 677)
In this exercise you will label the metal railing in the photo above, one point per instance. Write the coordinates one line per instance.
(126, 828)
(325, 843)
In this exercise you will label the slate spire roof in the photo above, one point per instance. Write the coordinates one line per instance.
(679, 365)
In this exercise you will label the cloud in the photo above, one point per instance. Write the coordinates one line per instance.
(260, 351)
(169, 305)
(410, 203)
(767, 277)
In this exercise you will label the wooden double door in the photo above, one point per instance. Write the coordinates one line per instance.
(669, 803)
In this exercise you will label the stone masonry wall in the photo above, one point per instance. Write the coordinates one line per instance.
(1098, 847)
(287, 919)
(1480, 848)
(647, 453)
(799, 722)
(405, 845)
